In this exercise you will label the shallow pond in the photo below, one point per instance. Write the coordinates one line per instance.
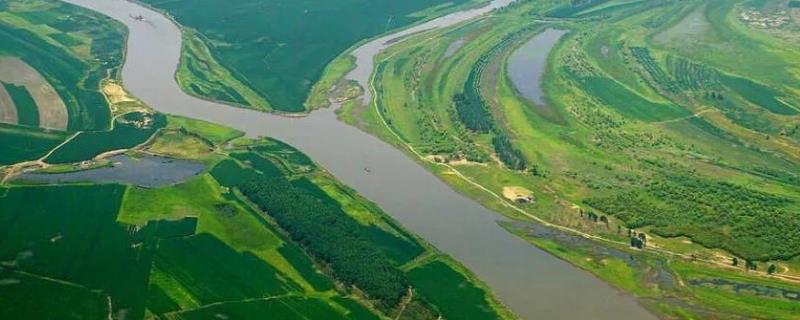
(527, 64)
(146, 171)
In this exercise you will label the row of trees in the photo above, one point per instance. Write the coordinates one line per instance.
(330, 235)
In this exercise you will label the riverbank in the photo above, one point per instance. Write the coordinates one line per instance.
(531, 282)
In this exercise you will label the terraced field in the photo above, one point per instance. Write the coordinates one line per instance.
(661, 149)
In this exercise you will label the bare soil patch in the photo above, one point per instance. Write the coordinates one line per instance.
(8, 111)
(52, 110)
(518, 194)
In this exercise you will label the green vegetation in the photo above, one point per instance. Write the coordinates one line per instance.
(21, 144)
(656, 124)
(27, 111)
(202, 249)
(316, 221)
(434, 282)
(273, 51)
(74, 49)
(130, 130)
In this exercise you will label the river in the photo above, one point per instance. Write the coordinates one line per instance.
(534, 284)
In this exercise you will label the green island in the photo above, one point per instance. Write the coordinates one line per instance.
(261, 230)
(668, 135)
(269, 57)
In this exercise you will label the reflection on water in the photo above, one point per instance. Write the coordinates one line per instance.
(146, 171)
(527, 64)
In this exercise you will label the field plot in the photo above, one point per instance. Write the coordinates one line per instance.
(66, 51)
(23, 143)
(8, 110)
(202, 249)
(50, 109)
(130, 130)
(275, 51)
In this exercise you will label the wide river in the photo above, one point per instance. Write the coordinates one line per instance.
(534, 284)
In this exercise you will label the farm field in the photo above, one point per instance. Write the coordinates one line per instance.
(60, 54)
(271, 54)
(252, 260)
(53, 59)
(641, 140)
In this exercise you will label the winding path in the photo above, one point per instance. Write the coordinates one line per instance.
(534, 284)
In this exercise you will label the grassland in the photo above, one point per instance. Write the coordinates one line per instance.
(272, 53)
(642, 140)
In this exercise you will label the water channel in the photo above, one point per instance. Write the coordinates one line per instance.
(534, 284)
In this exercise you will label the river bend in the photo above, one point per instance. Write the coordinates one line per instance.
(534, 284)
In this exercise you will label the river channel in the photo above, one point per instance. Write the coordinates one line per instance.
(534, 284)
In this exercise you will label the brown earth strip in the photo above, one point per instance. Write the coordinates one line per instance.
(52, 110)
(8, 111)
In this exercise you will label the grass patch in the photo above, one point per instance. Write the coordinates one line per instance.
(23, 144)
(27, 111)
(130, 130)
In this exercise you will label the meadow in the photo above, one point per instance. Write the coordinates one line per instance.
(268, 55)
(641, 139)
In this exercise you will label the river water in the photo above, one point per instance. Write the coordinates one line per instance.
(534, 284)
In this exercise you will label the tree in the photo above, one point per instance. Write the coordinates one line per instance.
(772, 268)
(735, 261)
(637, 243)
(750, 265)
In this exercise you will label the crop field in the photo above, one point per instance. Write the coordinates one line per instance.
(203, 249)
(21, 143)
(271, 54)
(434, 282)
(360, 245)
(130, 130)
(655, 138)
(72, 49)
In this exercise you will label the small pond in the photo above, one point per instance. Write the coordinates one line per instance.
(146, 171)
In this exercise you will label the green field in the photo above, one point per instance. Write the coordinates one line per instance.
(201, 249)
(130, 130)
(272, 53)
(21, 144)
(652, 124)
(26, 108)
(74, 49)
